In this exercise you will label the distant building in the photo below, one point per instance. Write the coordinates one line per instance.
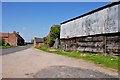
(38, 42)
(14, 39)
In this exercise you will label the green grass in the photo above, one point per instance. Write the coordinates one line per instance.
(4, 47)
(102, 60)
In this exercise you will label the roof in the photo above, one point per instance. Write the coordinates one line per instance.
(39, 40)
(93, 11)
(19, 37)
(3, 35)
(6, 35)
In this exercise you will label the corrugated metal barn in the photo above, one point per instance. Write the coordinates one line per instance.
(95, 31)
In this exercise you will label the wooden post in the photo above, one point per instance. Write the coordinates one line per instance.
(105, 48)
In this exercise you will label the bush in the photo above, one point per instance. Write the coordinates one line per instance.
(51, 43)
(7, 44)
(2, 42)
(45, 40)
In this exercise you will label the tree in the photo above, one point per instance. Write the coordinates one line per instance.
(2, 42)
(7, 44)
(54, 33)
(45, 40)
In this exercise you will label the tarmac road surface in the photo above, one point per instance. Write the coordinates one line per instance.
(14, 49)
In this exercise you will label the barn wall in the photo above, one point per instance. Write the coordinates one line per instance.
(97, 32)
(119, 18)
(101, 22)
(107, 43)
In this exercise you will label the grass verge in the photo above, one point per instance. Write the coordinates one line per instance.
(107, 61)
(4, 47)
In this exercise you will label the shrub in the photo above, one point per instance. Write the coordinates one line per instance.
(2, 42)
(7, 44)
(51, 43)
(45, 40)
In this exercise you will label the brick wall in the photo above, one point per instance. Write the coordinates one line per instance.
(12, 39)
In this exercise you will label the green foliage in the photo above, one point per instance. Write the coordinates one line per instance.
(7, 44)
(5, 47)
(54, 33)
(107, 61)
(45, 40)
(2, 42)
(52, 41)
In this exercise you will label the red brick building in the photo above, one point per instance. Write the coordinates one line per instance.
(14, 39)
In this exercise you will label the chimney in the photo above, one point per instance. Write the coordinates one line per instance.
(14, 31)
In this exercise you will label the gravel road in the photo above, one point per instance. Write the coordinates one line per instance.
(34, 63)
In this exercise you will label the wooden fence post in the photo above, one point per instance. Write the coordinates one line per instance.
(105, 47)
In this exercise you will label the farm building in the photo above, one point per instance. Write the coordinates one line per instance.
(38, 42)
(95, 31)
(14, 39)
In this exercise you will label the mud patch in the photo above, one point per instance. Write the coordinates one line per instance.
(69, 72)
